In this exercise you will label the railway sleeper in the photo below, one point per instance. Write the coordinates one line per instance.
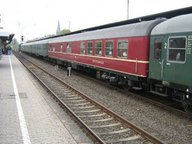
(83, 107)
(99, 120)
(115, 132)
(88, 111)
(94, 115)
(106, 125)
(131, 138)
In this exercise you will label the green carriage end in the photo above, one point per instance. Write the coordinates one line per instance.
(169, 62)
(171, 57)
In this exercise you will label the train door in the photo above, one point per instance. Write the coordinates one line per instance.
(157, 55)
(175, 69)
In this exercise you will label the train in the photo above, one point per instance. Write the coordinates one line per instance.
(152, 55)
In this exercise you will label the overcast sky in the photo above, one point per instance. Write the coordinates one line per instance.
(36, 18)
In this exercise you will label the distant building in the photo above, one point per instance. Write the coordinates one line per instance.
(58, 28)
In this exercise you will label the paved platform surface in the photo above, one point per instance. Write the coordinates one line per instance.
(28, 114)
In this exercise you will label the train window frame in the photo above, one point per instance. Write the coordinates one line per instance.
(90, 49)
(50, 48)
(157, 55)
(82, 47)
(69, 48)
(98, 52)
(111, 49)
(61, 47)
(180, 54)
(118, 43)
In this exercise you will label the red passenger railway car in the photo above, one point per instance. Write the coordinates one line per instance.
(117, 53)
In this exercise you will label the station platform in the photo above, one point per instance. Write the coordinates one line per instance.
(28, 114)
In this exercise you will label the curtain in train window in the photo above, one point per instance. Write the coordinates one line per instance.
(61, 48)
(123, 49)
(90, 48)
(82, 47)
(69, 48)
(177, 49)
(98, 50)
(109, 48)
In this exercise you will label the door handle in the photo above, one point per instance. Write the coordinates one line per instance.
(162, 68)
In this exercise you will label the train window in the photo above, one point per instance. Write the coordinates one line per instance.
(68, 48)
(109, 48)
(177, 49)
(157, 49)
(82, 48)
(61, 48)
(50, 47)
(90, 48)
(98, 47)
(123, 49)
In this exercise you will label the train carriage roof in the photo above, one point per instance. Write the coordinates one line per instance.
(130, 30)
(45, 41)
(177, 24)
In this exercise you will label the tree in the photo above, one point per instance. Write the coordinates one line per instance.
(64, 31)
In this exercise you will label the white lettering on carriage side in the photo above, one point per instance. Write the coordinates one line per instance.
(24, 130)
(189, 44)
(98, 61)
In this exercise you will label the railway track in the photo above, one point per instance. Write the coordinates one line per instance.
(103, 125)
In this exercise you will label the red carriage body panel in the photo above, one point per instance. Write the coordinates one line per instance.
(135, 64)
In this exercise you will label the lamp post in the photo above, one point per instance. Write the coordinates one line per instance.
(127, 9)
